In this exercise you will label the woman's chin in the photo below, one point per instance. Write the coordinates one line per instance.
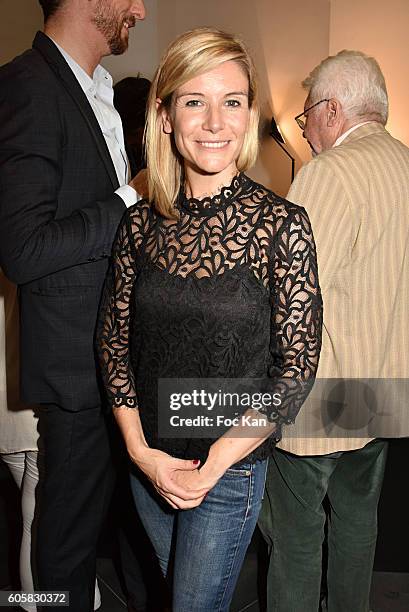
(213, 168)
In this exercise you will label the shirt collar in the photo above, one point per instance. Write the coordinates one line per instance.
(100, 76)
(348, 132)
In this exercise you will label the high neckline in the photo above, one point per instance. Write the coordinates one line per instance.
(210, 205)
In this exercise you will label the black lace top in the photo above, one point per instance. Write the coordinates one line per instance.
(229, 290)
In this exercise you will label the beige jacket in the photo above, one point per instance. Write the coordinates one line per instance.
(357, 198)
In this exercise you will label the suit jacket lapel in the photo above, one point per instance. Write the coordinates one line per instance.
(51, 54)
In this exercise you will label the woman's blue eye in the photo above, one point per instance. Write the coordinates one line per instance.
(193, 103)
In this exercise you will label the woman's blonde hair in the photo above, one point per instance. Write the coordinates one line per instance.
(191, 54)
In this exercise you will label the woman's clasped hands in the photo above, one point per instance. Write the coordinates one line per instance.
(181, 482)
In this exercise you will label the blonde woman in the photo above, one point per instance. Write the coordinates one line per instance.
(213, 276)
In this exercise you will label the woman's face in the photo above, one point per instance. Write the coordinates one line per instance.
(209, 116)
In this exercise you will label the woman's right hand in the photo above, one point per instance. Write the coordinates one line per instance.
(162, 470)
(159, 467)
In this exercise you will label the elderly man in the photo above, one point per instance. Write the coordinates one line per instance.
(64, 188)
(356, 192)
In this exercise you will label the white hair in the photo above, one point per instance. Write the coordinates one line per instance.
(356, 80)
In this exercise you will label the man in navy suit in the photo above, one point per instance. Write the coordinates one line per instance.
(64, 187)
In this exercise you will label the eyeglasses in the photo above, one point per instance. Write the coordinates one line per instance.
(300, 121)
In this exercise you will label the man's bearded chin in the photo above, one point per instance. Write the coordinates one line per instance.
(111, 26)
(117, 44)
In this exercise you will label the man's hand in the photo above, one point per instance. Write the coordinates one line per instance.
(140, 183)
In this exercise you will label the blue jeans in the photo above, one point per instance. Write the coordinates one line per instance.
(202, 550)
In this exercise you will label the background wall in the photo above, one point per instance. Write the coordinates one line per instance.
(379, 28)
(19, 21)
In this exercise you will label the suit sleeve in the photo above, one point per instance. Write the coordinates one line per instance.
(34, 242)
(320, 192)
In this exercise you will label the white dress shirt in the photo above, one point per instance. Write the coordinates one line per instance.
(348, 132)
(100, 95)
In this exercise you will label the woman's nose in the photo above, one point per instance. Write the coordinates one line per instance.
(214, 119)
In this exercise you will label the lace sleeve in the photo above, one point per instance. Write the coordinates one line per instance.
(297, 315)
(114, 323)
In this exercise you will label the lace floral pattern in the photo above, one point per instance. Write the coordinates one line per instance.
(228, 290)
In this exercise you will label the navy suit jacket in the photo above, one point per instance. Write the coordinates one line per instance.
(58, 218)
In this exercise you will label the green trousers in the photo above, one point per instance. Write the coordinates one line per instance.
(293, 518)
